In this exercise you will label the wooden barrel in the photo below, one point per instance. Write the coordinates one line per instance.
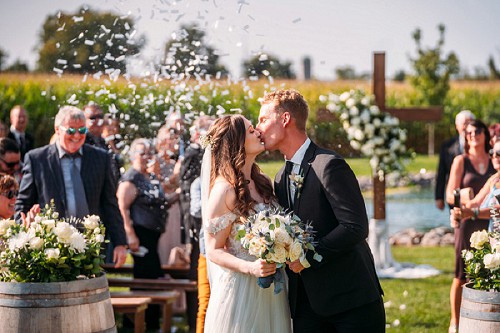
(480, 311)
(81, 306)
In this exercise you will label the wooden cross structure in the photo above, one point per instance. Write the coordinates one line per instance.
(428, 114)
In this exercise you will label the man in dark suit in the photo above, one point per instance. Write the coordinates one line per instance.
(18, 123)
(342, 292)
(449, 149)
(76, 175)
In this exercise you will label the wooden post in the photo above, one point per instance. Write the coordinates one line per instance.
(379, 91)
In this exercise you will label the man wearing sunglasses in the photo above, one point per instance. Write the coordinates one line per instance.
(10, 158)
(95, 124)
(77, 176)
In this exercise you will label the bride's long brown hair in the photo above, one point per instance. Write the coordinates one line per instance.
(227, 139)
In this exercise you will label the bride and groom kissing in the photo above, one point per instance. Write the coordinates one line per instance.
(339, 294)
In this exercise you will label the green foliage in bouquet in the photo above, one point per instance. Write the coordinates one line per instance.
(51, 249)
(483, 261)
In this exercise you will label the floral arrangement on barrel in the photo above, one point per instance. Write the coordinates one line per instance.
(483, 261)
(51, 249)
(374, 133)
(277, 237)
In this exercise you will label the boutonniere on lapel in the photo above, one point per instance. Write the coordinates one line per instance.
(297, 181)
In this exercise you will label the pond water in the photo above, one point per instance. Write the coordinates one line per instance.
(413, 209)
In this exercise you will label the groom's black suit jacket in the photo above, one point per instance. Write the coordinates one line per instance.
(331, 200)
(43, 180)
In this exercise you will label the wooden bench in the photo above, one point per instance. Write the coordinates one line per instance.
(154, 284)
(136, 306)
(175, 271)
(164, 298)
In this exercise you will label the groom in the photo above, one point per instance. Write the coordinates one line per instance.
(342, 292)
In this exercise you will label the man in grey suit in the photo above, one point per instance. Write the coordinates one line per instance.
(77, 176)
(342, 292)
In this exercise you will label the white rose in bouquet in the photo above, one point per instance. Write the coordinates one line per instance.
(478, 239)
(91, 222)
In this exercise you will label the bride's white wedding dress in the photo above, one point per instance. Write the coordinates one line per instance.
(237, 303)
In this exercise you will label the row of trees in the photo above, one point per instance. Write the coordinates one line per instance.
(89, 41)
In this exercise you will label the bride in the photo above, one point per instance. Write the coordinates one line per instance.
(236, 188)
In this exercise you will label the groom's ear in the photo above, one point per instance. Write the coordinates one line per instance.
(286, 118)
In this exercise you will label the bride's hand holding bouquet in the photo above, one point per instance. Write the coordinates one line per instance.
(276, 238)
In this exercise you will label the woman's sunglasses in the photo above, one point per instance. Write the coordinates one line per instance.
(72, 130)
(10, 165)
(477, 131)
(10, 194)
(494, 153)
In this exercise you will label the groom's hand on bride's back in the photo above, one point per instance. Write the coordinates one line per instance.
(260, 268)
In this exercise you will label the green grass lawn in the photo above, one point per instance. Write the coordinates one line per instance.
(420, 305)
(361, 166)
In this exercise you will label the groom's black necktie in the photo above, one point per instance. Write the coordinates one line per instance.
(288, 172)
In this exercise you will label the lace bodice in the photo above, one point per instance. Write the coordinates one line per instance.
(233, 245)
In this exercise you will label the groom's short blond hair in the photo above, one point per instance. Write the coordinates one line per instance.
(290, 101)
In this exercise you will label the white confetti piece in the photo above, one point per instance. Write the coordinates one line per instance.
(297, 20)
(77, 18)
(89, 42)
(62, 61)
(58, 70)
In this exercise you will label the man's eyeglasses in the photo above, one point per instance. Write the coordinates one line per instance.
(494, 153)
(10, 194)
(10, 165)
(72, 130)
(477, 131)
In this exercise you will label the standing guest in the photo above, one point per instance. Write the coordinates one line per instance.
(95, 123)
(190, 166)
(341, 293)
(10, 158)
(76, 176)
(494, 130)
(143, 207)
(450, 149)
(480, 206)
(18, 123)
(471, 169)
(169, 176)
(111, 132)
(9, 189)
(202, 274)
(4, 130)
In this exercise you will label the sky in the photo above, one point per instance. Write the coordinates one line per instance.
(332, 33)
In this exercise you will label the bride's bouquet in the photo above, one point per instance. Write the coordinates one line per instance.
(277, 237)
(51, 249)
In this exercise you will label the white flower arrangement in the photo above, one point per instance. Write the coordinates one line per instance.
(482, 262)
(277, 237)
(50, 249)
(375, 134)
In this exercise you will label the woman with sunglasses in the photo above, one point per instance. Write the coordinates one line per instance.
(143, 206)
(480, 206)
(9, 188)
(471, 169)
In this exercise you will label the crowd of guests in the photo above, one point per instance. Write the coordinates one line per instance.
(141, 190)
(468, 173)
